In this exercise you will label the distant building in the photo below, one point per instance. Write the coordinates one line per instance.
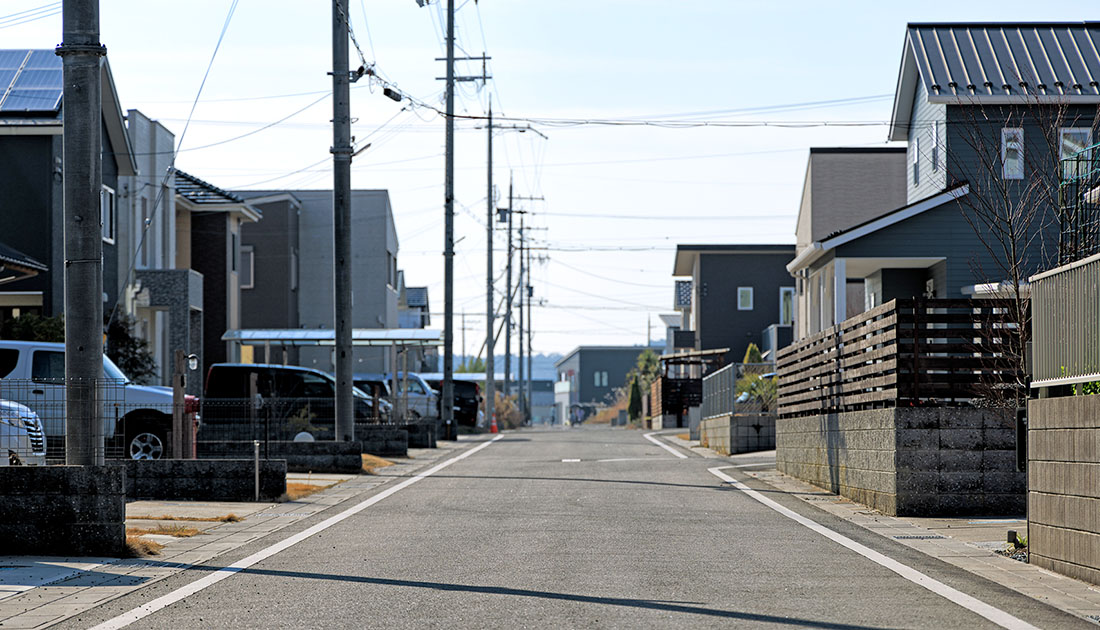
(588, 376)
(737, 291)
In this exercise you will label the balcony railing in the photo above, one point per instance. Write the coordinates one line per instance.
(906, 353)
(1066, 324)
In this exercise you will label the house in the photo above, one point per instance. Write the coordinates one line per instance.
(736, 292)
(14, 266)
(413, 311)
(986, 111)
(588, 376)
(211, 219)
(374, 270)
(31, 168)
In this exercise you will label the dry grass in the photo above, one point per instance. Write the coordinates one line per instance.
(373, 462)
(179, 531)
(607, 414)
(139, 547)
(295, 491)
(682, 436)
(228, 518)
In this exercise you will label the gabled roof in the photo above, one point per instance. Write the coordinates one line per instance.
(416, 296)
(847, 235)
(997, 63)
(204, 196)
(15, 265)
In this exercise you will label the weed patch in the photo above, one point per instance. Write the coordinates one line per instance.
(372, 463)
(295, 491)
(228, 518)
(138, 547)
(179, 531)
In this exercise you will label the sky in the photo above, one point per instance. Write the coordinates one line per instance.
(616, 199)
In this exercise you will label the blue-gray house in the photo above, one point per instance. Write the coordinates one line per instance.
(987, 111)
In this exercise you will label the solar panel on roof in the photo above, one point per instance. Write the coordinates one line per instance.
(12, 59)
(31, 101)
(39, 79)
(43, 59)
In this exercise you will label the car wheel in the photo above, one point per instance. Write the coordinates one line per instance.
(148, 440)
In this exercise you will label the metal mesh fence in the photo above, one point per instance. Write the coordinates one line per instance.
(740, 388)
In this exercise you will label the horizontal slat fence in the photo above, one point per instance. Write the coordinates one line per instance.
(903, 353)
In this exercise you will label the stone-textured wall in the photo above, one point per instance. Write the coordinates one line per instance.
(926, 461)
(738, 434)
(383, 440)
(204, 479)
(63, 510)
(328, 457)
(1064, 485)
(421, 434)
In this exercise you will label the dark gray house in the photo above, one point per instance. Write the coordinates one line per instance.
(987, 111)
(587, 376)
(31, 169)
(737, 291)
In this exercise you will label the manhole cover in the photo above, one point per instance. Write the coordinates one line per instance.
(921, 537)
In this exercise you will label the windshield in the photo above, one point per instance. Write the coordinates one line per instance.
(111, 371)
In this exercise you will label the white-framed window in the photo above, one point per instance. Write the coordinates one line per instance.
(935, 141)
(599, 379)
(1072, 141)
(248, 267)
(916, 160)
(108, 213)
(744, 298)
(1012, 153)
(786, 306)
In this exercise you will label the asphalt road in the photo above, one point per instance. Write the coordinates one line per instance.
(517, 535)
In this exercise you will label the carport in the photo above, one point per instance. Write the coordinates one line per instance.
(396, 338)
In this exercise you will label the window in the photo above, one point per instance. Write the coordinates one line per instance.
(107, 213)
(49, 366)
(248, 267)
(935, 145)
(786, 306)
(744, 298)
(916, 160)
(600, 379)
(294, 269)
(139, 234)
(234, 251)
(1073, 141)
(1012, 153)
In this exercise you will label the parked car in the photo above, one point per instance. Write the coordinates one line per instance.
(32, 373)
(291, 399)
(373, 384)
(467, 401)
(22, 441)
(414, 392)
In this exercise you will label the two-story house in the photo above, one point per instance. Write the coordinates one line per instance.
(986, 110)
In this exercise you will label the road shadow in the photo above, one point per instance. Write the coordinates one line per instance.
(663, 606)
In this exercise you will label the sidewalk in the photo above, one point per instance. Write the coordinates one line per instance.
(967, 542)
(39, 591)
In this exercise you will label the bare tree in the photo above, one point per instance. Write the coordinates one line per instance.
(1011, 160)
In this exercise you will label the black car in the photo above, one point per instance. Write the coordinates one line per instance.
(467, 400)
(289, 400)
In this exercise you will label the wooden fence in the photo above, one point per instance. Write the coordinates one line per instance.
(905, 353)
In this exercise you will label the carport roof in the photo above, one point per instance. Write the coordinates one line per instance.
(327, 337)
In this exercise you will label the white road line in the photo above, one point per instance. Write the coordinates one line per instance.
(649, 436)
(164, 601)
(996, 615)
(569, 461)
(636, 459)
(751, 465)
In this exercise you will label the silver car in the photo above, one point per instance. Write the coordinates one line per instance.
(22, 440)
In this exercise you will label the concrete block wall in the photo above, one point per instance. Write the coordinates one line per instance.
(1064, 485)
(383, 440)
(204, 479)
(63, 510)
(909, 461)
(738, 434)
(328, 457)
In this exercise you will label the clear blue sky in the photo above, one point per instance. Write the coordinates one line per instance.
(606, 188)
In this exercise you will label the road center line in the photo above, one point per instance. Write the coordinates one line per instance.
(164, 601)
(996, 615)
(649, 436)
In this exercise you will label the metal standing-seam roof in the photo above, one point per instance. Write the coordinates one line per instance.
(997, 63)
(416, 296)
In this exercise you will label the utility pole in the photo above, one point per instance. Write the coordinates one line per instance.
(80, 51)
(490, 374)
(464, 340)
(530, 351)
(341, 221)
(448, 407)
(508, 303)
(522, 389)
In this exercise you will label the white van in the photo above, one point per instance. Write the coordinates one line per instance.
(22, 442)
(33, 373)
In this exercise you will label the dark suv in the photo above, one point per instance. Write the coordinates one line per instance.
(290, 400)
(467, 400)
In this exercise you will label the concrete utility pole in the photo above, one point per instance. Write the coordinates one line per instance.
(490, 375)
(508, 302)
(341, 221)
(522, 390)
(530, 326)
(447, 410)
(80, 51)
